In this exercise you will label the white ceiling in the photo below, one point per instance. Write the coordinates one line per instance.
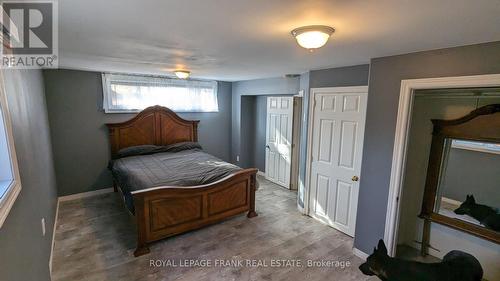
(247, 39)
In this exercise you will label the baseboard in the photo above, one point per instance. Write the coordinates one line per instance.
(430, 250)
(301, 209)
(53, 237)
(360, 254)
(85, 194)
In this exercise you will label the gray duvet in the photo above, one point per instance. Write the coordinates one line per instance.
(180, 164)
(184, 167)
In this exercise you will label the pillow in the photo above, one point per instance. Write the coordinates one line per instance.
(151, 149)
(180, 146)
(137, 150)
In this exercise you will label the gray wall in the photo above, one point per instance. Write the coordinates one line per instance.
(473, 172)
(80, 137)
(25, 253)
(248, 132)
(356, 75)
(385, 82)
(260, 133)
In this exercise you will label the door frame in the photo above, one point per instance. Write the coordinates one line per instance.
(310, 123)
(405, 110)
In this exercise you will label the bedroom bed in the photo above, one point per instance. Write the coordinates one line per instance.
(168, 182)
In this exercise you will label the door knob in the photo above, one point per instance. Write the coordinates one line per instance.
(267, 146)
(355, 178)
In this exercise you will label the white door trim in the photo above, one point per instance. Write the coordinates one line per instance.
(406, 97)
(360, 254)
(312, 95)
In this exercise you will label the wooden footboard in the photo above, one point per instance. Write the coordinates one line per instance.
(166, 211)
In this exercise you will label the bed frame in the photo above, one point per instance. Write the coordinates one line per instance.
(165, 211)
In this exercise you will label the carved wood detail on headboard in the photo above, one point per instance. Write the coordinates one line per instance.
(155, 125)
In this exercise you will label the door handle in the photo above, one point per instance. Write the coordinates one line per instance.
(355, 178)
(267, 146)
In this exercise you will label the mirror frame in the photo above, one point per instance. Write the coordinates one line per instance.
(482, 124)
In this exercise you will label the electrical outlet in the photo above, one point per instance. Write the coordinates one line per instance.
(237, 158)
(43, 226)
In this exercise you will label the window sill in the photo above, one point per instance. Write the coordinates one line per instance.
(475, 148)
(4, 186)
(13, 189)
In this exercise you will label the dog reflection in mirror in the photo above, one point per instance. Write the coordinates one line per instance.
(456, 266)
(486, 215)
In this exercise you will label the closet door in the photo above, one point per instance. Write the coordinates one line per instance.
(338, 123)
(279, 140)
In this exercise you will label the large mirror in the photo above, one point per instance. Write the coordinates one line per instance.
(469, 185)
(462, 188)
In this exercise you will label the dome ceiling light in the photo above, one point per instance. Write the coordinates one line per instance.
(312, 36)
(182, 74)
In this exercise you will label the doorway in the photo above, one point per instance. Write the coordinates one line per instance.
(335, 142)
(406, 101)
(467, 168)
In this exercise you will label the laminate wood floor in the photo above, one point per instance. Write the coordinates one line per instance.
(95, 238)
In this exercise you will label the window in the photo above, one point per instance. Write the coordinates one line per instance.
(486, 147)
(10, 184)
(131, 93)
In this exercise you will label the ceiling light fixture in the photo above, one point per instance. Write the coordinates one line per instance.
(312, 36)
(182, 74)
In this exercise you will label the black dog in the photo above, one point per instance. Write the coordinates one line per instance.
(486, 215)
(456, 266)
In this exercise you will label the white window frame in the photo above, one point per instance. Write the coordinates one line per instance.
(472, 146)
(14, 188)
(106, 88)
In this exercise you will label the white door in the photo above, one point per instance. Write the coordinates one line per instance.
(279, 139)
(336, 135)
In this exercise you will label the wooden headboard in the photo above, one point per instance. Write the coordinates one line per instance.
(155, 125)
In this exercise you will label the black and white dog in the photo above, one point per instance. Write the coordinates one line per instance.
(486, 215)
(456, 266)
